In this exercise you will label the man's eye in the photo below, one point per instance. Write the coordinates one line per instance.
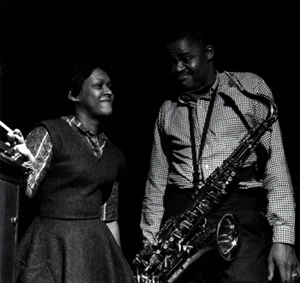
(186, 59)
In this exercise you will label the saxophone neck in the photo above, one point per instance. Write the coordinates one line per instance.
(272, 107)
(273, 112)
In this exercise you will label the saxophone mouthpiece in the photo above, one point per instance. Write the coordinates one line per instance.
(233, 80)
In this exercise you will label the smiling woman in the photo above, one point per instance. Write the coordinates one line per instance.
(75, 237)
(95, 98)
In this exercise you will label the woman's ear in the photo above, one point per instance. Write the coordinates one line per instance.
(210, 51)
(71, 97)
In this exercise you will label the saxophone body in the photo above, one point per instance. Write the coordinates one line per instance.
(183, 240)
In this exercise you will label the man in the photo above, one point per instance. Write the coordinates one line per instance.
(222, 116)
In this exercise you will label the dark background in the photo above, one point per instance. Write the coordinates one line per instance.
(255, 36)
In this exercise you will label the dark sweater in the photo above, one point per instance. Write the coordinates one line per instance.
(74, 185)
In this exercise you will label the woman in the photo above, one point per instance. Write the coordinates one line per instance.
(74, 172)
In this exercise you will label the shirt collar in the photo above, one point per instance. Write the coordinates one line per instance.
(74, 121)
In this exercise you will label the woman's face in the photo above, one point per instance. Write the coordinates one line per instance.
(96, 97)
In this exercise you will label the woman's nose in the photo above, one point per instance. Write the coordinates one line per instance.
(108, 92)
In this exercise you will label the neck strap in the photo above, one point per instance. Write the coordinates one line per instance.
(196, 175)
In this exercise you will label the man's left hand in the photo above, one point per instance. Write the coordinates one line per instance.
(284, 257)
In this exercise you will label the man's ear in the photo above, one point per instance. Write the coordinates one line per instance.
(210, 51)
(71, 97)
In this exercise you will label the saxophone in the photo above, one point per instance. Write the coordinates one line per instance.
(182, 240)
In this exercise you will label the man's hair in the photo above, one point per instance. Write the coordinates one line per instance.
(79, 67)
(195, 33)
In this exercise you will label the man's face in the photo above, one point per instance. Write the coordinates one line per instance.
(190, 63)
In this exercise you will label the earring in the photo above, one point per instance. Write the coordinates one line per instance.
(71, 97)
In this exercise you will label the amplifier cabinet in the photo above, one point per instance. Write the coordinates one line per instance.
(9, 207)
(11, 178)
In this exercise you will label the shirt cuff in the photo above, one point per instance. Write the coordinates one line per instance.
(283, 234)
(109, 210)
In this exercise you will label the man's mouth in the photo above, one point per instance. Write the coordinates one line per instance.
(182, 77)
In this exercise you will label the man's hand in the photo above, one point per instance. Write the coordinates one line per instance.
(284, 257)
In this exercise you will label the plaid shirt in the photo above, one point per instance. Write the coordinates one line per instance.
(171, 158)
(39, 143)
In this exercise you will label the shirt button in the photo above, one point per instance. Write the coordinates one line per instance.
(206, 166)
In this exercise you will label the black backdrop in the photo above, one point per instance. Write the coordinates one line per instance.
(256, 36)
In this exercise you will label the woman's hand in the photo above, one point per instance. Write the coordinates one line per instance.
(114, 229)
(17, 143)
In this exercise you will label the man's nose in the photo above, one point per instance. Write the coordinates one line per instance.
(179, 66)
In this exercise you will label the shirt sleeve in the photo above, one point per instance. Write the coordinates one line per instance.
(277, 181)
(39, 143)
(109, 210)
(152, 207)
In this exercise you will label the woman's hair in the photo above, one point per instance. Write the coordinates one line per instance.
(78, 68)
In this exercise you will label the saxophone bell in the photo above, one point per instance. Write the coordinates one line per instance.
(225, 236)
(228, 236)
